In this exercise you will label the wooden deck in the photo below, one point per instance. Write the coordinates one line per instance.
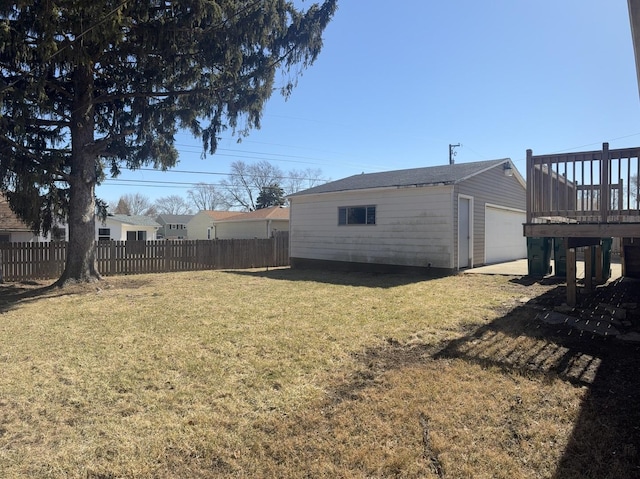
(583, 197)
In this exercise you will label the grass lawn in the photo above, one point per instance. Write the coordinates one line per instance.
(288, 373)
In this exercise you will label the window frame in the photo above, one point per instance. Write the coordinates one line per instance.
(349, 215)
(104, 234)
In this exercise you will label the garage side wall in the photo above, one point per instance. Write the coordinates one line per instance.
(241, 230)
(414, 227)
(494, 188)
(198, 225)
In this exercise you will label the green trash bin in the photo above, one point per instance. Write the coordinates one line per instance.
(538, 256)
(560, 257)
(606, 258)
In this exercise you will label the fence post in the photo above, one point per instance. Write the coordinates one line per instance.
(52, 263)
(274, 249)
(167, 255)
(112, 256)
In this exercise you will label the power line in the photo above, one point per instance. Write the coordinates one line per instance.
(191, 172)
(157, 183)
(596, 143)
(258, 153)
(280, 157)
(148, 186)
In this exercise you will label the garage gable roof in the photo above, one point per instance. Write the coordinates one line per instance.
(428, 176)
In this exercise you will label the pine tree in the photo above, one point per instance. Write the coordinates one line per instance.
(271, 195)
(90, 87)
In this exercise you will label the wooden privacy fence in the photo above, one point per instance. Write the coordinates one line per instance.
(35, 261)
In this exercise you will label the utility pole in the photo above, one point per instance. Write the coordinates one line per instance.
(452, 153)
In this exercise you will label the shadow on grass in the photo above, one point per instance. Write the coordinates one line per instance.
(605, 441)
(343, 278)
(546, 281)
(14, 293)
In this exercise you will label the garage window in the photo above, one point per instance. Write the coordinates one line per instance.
(356, 215)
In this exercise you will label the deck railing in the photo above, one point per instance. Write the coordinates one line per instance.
(587, 187)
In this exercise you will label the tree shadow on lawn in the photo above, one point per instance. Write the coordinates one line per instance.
(347, 278)
(12, 294)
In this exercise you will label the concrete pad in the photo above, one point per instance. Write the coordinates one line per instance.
(519, 268)
(509, 268)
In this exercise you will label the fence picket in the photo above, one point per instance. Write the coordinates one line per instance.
(40, 261)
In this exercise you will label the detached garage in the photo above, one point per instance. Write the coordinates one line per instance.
(446, 217)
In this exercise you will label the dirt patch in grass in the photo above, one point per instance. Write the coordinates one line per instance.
(308, 374)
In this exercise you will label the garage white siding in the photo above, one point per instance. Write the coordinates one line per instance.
(503, 234)
(491, 188)
(414, 227)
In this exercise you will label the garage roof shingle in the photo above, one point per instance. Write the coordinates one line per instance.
(432, 175)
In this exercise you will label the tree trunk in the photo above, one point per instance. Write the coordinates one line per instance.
(81, 255)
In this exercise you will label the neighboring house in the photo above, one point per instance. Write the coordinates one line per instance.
(13, 229)
(203, 224)
(126, 228)
(448, 217)
(173, 226)
(262, 223)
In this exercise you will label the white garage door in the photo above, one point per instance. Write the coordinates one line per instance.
(503, 235)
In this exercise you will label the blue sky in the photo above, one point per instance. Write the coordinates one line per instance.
(396, 83)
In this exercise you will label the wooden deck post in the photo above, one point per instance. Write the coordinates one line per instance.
(604, 184)
(588, 267)
(530, 183)
(599, 264)
(571, 276)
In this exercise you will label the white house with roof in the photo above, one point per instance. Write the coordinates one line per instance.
(127, 228)
(262, 223)
(447, 217)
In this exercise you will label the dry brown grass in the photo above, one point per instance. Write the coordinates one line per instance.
(285, 374)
